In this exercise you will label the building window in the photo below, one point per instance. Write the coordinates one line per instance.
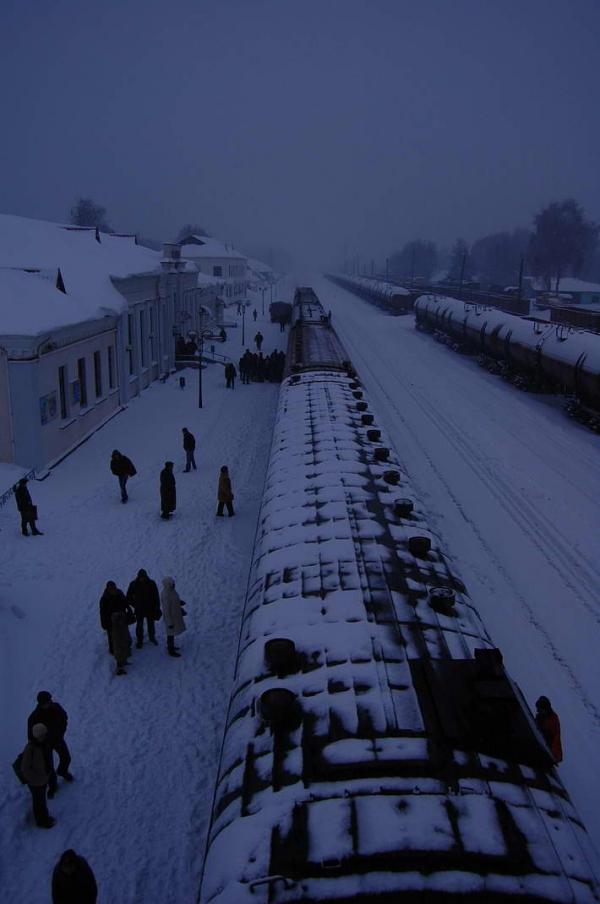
(82, 382)
(130, 342)
(111, 368)
(98, 374)
(152, 345)
(62, 391)
(143, 338)
(217, 271)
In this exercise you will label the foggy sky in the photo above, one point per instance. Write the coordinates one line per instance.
(311, 125)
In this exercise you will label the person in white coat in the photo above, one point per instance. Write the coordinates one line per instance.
(173, 613)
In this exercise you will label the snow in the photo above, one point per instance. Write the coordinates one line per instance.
(512, 485)
(85, 264)
(207, 246)
(144, 746)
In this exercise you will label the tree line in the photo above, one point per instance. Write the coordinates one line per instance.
(562, 242)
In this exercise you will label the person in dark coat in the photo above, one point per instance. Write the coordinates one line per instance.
(255, 314)
(189, 444)
(73, 881)
(38, 771)
(224, 493)
(51, 714)
(121, 640)
(123, 468)
(143, 595)
(549, 724)
(112, 600)
(258, 340)
(230, 375)
(26, 508)
(168, 491)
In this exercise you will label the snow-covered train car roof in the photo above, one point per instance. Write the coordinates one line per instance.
(374, 744)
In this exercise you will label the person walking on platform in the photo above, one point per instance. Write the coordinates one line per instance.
(255, 314)
(26, 508)
(230, 374)
(224, 493)
(258, 339)
(173, 612)
(142, 593)
(51, 714)
(38, 771)
(112, 600)
(189, 445)
(168, 491)
(123, 468)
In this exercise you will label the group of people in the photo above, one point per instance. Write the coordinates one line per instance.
(141, 606)
(255, 367)
(123, 468)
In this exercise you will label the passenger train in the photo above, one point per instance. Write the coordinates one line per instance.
(375, 748)
(534, 353)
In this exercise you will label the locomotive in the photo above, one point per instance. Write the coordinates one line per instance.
(375, 748)
(538, 354)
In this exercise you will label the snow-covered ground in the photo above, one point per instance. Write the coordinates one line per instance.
(509, 482)
(144, 746)
(512, 485)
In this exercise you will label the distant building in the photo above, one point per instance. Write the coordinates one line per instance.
(571, 291)
(218, 260)
(87, 321)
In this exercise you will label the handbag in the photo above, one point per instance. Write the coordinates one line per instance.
(131, 619)
(17, 769)
(183, 604)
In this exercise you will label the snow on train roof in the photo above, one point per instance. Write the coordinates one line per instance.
(332, 571)
(380, 285)
(559, 341)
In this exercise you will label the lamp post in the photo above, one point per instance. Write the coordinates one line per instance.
(263, 290)
(244, 324)
(201, 336)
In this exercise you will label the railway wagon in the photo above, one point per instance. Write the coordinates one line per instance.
(375, 749)
(388, 296)
(568, 360)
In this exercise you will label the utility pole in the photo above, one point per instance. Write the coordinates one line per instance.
(412, 265)
(462, 272)
(243, 326)
(387, 269)
(521, 277)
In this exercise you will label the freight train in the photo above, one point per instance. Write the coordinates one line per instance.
(385, 295)
(534, 354)
(375, 748)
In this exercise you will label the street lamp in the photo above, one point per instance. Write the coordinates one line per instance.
(200, 336)
(244, 324)
(263, 290)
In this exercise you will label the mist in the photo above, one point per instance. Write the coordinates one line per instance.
(323, 129)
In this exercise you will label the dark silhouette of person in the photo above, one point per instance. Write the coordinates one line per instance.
(549, 724)
(168, 492)
(73, 881)
(224, 493)
(123, 468)
(189, 445)
(51, 714)
(26, 508)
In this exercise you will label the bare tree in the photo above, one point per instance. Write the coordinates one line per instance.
(418, 258)
(85, 212)
(459, 261)
(190, 229)
(562, 241)
(496, 258)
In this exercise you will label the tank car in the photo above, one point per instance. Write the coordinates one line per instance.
(552, 355)
(388, 296)
(375, 748)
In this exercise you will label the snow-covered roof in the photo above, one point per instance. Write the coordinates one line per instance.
(259, 267)
(207, 246)
(32, 305)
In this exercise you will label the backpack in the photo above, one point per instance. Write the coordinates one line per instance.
(17, 768)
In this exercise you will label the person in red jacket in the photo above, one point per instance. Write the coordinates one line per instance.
(549, 724)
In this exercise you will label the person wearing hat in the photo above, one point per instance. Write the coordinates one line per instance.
(73, 881)
(168, 492)
(173, 612)
(143, 595)
(38, 771)
(51, 714)
(549, 724)
(27, 509)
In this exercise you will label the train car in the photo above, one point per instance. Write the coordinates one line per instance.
(375, 748)
(388, 296)
(555, 356)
